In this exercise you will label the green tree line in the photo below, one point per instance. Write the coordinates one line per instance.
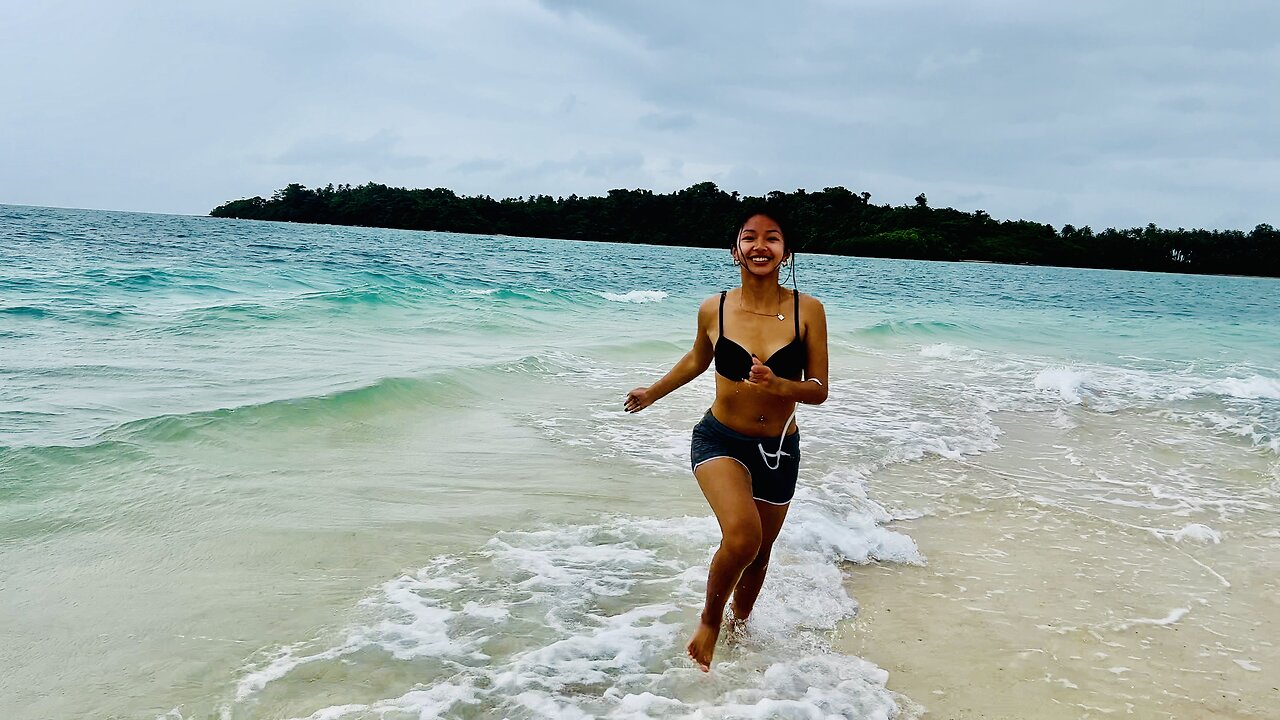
(835, 220)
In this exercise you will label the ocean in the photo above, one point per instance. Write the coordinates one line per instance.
(266, 470)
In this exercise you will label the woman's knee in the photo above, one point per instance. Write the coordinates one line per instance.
(761, 559)
(742, 541)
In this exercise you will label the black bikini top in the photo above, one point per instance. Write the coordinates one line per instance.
(734, 362)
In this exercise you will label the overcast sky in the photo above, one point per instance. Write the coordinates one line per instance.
(1101, 113)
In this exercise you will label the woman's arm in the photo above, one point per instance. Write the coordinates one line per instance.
(693, 364)
(813, 389)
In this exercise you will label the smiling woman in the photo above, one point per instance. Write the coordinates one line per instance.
(748, 487)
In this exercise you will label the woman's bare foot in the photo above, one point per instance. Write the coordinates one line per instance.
(703, 645)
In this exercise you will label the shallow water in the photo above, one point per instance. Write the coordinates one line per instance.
(270, 470)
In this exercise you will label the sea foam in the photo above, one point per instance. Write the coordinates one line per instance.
(636, 296)
(1069, 384)
(1198, 532)
(1250, 388)
(603, 610)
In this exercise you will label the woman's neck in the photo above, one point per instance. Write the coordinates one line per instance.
(760, 292)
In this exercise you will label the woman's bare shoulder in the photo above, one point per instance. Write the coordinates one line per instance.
(811, 303)
(709, 308)
(711, 304)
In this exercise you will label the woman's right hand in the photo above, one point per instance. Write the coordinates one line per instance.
(637, 400)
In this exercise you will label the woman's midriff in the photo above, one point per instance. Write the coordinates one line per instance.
(740, 405)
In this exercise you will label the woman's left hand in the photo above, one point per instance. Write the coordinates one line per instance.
(761, 375)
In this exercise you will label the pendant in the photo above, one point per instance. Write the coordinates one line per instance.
(781, 316)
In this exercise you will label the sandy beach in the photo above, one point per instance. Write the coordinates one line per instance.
(1024, 610)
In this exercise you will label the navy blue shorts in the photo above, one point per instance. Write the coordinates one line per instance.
(713, 439)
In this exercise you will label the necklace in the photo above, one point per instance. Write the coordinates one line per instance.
(780, 316)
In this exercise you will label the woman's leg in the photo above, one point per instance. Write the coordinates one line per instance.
(727, 487)
(748, 587)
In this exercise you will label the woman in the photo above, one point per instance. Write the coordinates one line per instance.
(745, 452)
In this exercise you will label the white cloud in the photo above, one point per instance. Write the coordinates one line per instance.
(1091, 113)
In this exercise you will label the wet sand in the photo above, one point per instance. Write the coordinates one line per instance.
(1025, 611)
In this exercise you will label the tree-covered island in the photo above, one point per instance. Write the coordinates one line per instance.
(834, 220)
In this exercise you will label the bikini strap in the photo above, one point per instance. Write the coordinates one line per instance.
(795, 313)
(722, 294)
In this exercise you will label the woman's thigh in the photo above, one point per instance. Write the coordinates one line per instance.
(727, 486)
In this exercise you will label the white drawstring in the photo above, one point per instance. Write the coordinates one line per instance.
(782, 439)
(778, 455)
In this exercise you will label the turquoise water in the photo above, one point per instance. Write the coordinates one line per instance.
(260, 470)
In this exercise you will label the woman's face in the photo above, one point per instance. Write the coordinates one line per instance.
(760, 247)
